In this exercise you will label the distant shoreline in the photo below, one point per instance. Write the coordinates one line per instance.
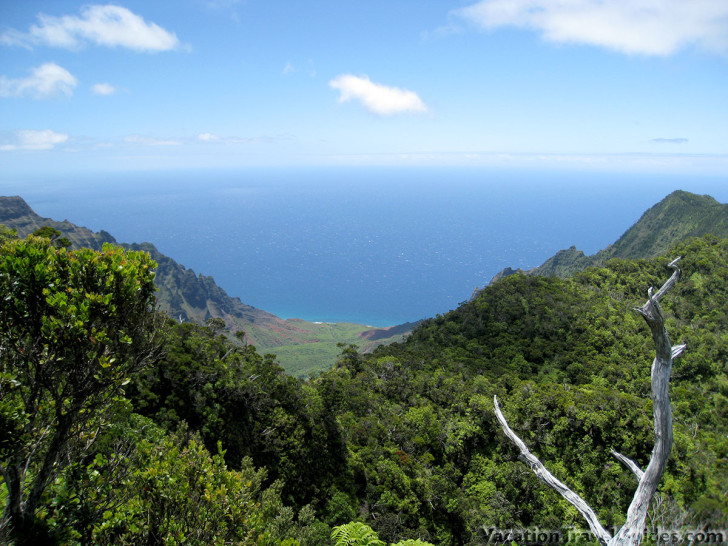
(368, 246)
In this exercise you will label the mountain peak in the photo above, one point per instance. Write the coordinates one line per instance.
(14, 207)
(15, 213)
(677, 217)
(687, 196)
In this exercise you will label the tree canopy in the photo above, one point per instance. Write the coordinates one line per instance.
(74, 327)
(398, 446)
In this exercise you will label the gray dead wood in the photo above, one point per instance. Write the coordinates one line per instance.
(633, 529)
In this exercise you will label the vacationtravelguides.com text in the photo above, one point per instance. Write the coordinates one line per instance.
(536, 536)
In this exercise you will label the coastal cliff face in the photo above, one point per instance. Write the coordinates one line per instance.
(15, 213)
(304, 347)
(678, 217)
(301, 346)
(181, 294)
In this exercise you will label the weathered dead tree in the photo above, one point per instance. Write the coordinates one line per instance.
(632, 531)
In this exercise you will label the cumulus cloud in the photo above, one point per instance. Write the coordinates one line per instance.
(149, 141)
(103, 89)
(669, 140)
(34, 140)
(647, 27)
(45, 81)
(377, 98)
(109, 25)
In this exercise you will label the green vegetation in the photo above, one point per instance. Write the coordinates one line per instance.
(680, 216)
(229, 394)
(302, 347)
(570, 361)
(319, 344)
(401, 444)
(7, 234)
(73, 327)
(356, 533)
(77, 330)
(118, 427)
(54, 236)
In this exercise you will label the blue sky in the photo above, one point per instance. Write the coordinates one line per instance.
(617, 85)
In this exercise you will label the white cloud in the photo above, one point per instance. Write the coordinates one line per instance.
(103, 89)
(649, 27)
(207, 137)
(287, 69)
(45, 81)
(109, 25)
(377, 98)
(148, 141)
(34, 140)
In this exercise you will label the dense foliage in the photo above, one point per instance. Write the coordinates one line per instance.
(230, 394)
(570, 362)
(74, 326)
(215, 444)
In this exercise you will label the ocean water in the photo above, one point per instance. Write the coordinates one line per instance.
(377, 246)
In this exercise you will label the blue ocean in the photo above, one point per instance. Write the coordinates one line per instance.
(377, 246)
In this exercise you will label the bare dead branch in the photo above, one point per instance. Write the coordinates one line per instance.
(549, 479)
(671, 281)
(633, 529)
(677, 350)
(629, 463)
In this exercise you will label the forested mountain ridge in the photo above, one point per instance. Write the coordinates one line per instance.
(16, 214)
(677, 217)
(305, 347)
(212, 443)
(570, 363)
(187, 296)
(181, 293)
